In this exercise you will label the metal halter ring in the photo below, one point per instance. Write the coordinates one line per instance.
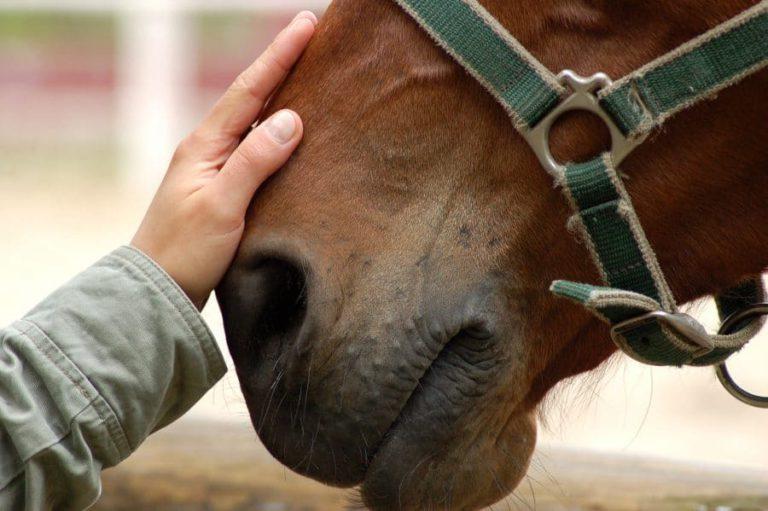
(729, 326)
(582, 97)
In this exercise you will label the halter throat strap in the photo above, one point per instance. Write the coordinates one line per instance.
(635, 300)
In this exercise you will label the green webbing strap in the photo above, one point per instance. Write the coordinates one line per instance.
(646, 98)
(624, 256)
(609, 225)
(464, 29)
(605, 216)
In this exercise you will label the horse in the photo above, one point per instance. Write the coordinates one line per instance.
(388, 311)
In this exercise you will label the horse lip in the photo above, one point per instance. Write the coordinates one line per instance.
(477, 332)
(426, 423)
(396, 420)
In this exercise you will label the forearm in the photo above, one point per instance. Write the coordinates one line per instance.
(88, 374)
(121, 350)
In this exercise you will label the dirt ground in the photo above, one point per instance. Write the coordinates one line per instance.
(207, 466)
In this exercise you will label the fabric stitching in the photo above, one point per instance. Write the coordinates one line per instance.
(545, 74)
(520, 124)
(94, 400)
(194, 325)
(102, 408)
(733, 23)
(649, 255)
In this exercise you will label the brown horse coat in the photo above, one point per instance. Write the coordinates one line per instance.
(388, 312)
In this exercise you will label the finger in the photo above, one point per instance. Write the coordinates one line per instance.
(263, 151)
(238, 109)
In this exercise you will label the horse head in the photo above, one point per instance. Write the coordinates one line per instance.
(388, 311)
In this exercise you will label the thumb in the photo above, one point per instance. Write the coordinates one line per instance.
(259, 155)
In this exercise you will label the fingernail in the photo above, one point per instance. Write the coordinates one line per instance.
(282, 126)
(307, 15)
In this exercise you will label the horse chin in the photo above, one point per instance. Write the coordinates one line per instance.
(461, 440)
(425, 466)
(457, 443)
(453, 446)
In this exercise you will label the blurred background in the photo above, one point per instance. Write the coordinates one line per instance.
(94, 95)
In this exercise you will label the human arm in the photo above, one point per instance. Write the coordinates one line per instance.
(121, 350)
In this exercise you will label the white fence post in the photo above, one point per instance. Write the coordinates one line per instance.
(156, 50)
(156, 66)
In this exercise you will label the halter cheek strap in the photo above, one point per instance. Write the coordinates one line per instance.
(643, 100)
(636, 300)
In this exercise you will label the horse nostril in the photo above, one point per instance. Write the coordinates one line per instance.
(264, 305)
(283, 296)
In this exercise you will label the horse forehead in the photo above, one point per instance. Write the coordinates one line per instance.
(546, 26)
(535, 18)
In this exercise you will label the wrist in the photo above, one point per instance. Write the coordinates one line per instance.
(164, 262)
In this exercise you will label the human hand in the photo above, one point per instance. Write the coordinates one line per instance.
(196, 220)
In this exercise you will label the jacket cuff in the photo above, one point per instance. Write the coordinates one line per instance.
(181, 302)
(136, 339)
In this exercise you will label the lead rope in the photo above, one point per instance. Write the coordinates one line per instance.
(636, 300)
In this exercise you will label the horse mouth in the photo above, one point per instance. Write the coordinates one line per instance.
(445, 388)
(389, 410)
(427, 423)
(389, 469)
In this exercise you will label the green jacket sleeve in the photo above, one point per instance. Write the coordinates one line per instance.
(86, 376)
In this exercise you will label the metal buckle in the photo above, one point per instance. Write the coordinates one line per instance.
(582, 98)
(729, 326)
(680, 324)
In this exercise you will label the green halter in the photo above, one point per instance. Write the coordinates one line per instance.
(636, 300)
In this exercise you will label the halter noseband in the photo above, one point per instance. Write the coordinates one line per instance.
(636, 299)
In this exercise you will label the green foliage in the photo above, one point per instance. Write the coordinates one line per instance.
(53, 28)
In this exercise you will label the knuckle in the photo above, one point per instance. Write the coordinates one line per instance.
(205, 205)
(185, 147)
(219, 213)
(243, 82)
(248, 81)
(208, 206)
(266, 65)
(189, 145)
(261, 66)
(273, 61)
(255, 150)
